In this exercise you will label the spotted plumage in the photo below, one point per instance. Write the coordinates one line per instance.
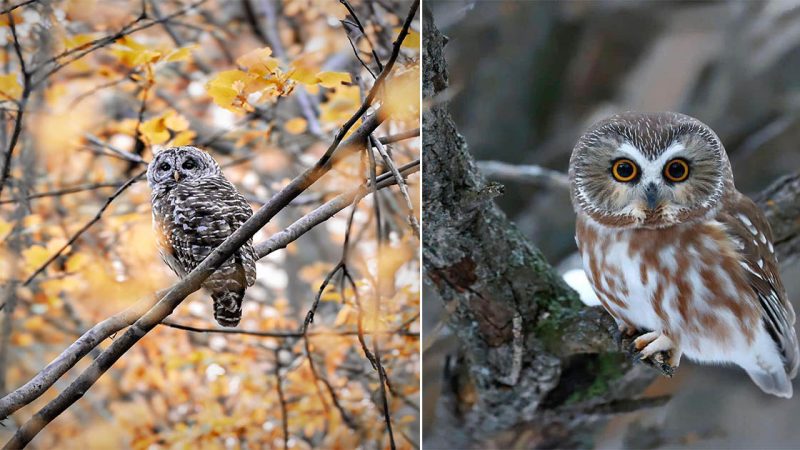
(194, 210)
(673, 250)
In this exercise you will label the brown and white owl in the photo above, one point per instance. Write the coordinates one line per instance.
(195, 208)
(675, 252)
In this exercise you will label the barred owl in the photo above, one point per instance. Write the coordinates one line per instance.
(194, 210)
(675, 252)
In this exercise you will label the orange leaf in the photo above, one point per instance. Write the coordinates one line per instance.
(259, 61)
(296, 125)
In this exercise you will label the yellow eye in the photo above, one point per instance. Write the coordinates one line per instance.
(676, 170)
(624, 170)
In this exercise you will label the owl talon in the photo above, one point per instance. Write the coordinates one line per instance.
(646, 340)
(658, 351)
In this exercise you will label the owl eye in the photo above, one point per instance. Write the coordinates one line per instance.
(188, 165)
(624, 170)
(163, 167)
(676, 170)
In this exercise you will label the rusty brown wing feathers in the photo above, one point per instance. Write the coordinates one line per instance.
(747, 225)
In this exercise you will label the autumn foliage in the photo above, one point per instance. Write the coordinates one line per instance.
(263, 86)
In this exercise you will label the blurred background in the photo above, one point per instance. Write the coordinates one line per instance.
(263, 86)
(527, 78)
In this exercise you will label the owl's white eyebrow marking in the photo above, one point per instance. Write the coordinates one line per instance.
(669, 152)
(631, 150)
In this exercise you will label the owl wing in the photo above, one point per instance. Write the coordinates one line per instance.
(205, 214)
(749, 228)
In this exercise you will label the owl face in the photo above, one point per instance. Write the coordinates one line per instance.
(178, 164)
(651, 170)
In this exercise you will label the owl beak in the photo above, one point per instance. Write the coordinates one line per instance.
(652, 196)
(176, 175)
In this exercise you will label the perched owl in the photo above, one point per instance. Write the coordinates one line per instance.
(675, 252)
(194, 210)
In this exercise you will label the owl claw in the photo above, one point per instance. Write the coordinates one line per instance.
(659, 351)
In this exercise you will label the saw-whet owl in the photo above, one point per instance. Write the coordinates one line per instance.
(673, 250)
(195, 208)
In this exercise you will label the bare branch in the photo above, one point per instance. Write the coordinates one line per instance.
(18, 5)
(364, 33)
(60, 192)
(281, 399)
(537, 175)
(26, 92)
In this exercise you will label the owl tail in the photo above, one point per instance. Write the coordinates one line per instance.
(774, 382)
(228, 307)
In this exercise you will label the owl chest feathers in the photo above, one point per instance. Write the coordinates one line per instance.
(191, 219)
(685, 280)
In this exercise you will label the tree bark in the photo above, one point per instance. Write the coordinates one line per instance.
(536, 367)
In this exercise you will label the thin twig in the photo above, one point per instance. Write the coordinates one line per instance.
(523, 174)
(412, 220)
(376, 308)
(18, 5)
(307, 346)
(60, 192)
(85, 227)
(122, 154)
(363, 32)
(26, 92)
(281, 399)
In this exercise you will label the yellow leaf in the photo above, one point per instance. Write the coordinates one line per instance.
(303, 75)
(259, 61)
(180, 54)
(332, 79)
(35, 256)
(175, 122)
(296, 125)
(5, 228)
(183, 138)
(341, 104)
(77, 40)
(401, 96)
(9, 87)
(76, 262)
(154, 131)
(132, 54)
(227, 88)
(411, 40)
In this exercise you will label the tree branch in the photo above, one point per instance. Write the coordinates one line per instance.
(26, 92)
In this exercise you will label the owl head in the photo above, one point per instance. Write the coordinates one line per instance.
(651, 170)
(178, 164)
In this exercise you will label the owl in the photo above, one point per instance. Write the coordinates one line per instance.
(194, 210)
(675, 253)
